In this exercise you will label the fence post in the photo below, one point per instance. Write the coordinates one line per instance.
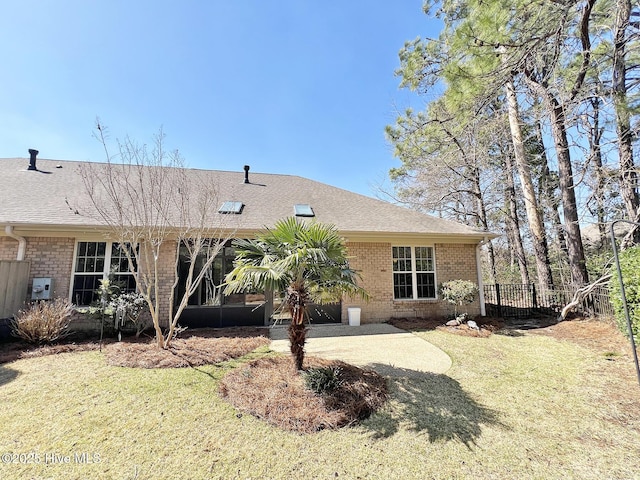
(498, 299)
(534, 296)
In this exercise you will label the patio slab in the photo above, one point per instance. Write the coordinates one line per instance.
(382, 347)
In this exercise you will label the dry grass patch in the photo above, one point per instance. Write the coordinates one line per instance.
(272, 390)
(198, 347)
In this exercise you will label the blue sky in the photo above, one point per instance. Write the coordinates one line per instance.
(291, 86)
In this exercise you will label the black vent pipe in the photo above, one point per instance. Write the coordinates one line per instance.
(32, 160)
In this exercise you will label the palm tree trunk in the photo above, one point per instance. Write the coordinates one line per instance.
(297, 329)
(297, 339)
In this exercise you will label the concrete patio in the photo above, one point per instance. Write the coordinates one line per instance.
(382, 347)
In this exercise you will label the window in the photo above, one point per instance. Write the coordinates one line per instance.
(414, 274)
(209, 292)
(94, 262)
(303, 210)
(231, 207)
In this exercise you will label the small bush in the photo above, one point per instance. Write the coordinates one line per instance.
(459, 292)
(43, 321)
(630, 267)
(323, 380)
(129, 307)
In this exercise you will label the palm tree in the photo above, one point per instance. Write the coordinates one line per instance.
(305, 260)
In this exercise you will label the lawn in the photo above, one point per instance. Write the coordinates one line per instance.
(541, 404)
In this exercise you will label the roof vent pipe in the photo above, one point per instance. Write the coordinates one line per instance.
(32, 159)
(246, 174)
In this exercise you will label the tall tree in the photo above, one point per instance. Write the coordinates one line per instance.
(625, 34)
(447, 165)
(540, 246)
(513, 221)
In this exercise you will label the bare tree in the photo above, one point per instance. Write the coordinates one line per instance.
(153, 207)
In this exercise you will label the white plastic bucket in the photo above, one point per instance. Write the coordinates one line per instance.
(354, 316)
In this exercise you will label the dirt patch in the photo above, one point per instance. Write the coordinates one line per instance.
(197, 347)
(486, 326)
(272, 390)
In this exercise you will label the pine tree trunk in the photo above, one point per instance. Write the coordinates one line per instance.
(550, 199)
(513, 222)
(481, 212)
(628, 177)
(575, 249)
(595, 135)
(534, 217)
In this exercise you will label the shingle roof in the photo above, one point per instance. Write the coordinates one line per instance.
(39, 198)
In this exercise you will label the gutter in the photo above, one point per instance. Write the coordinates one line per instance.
(22, 242)
(484, 241)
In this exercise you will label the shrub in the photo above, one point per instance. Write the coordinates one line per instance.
(323, 380)
(459, 292)
(43, 321)
(630, 267)
(128, 307)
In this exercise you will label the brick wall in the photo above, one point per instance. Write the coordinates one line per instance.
(374, 262)
(49, 257)
(53, 257)
(8, 248)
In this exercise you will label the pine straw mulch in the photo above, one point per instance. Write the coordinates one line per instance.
(272, 390)
(194, 347)
(599, 334)
(486, 326)
(19, 349)
(204, 346)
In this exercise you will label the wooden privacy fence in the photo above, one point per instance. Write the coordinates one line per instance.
(14, 279)
(529, 300)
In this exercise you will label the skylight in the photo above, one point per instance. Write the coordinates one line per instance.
(231, 207)
(303, 210)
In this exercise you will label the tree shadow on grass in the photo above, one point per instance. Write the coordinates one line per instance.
(7, 374)
(432, 403)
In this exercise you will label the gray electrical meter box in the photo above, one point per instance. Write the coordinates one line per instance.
(42, 289)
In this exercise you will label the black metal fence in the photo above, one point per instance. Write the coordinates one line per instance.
(525, 301)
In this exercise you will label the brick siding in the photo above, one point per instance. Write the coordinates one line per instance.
(53, 257)
(49, 257)
(374, 263)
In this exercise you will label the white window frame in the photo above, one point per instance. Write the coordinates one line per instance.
(106, 270)
(414, 273)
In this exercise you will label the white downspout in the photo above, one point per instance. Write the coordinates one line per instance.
(22, 242)
(483, 310)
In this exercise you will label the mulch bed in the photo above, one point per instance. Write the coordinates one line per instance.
(196, 347)
(486, 326)
(272, 390)
(599, 334)
(16, 350)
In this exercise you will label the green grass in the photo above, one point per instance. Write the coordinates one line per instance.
(511, 407)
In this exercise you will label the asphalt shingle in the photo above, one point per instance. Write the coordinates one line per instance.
(49, 197)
